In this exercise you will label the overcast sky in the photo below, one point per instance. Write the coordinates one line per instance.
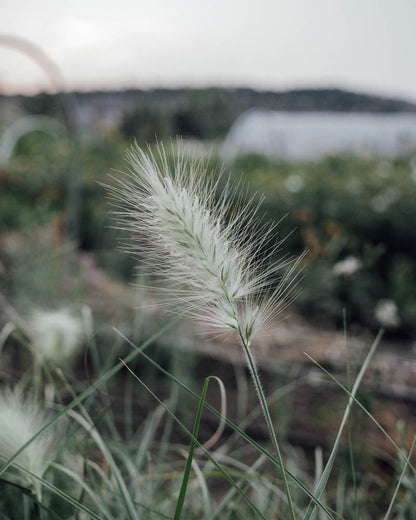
(365, 45)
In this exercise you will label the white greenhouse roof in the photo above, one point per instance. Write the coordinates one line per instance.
(312, 135)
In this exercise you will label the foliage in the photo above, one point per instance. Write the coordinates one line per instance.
(345, 210)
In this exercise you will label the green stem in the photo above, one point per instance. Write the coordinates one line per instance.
(187, 472)
(263, 404)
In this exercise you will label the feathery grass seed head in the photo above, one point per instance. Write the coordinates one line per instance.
(188, 237)
(57, 334)
(20, 420)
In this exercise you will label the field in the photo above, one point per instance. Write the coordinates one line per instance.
(104, 391)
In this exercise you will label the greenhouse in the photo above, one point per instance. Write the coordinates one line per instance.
(313, 135)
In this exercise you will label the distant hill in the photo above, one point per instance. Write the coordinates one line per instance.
(335, 100)
(203, 113)
(297, 99)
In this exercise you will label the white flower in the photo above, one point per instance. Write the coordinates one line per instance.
(57, 334)
(386, 313)
(381, 202)
(347, 267)
(294, 183)
(188, 237)
(20, 420)
(384, 169)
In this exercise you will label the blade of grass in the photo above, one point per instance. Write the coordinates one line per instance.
(233, 426)
(60, 493)
(350, 443)
(263, 403)
(32, 497)
(200, 476)
(197, 443)
(341, 491)
(250, 478)
(220, 428)
(195, 431)
(399, 451)
(319, 465)
(147, 436)
(399, 483)
(229, 495)
(5, 333)
(93, 432)
(110, 490)
(319, 489)
(80, 481)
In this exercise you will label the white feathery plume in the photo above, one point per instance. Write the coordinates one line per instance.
(186, 235)
(20, 420)
(57, 334)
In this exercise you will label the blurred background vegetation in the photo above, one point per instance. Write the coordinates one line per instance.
(355, 216)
